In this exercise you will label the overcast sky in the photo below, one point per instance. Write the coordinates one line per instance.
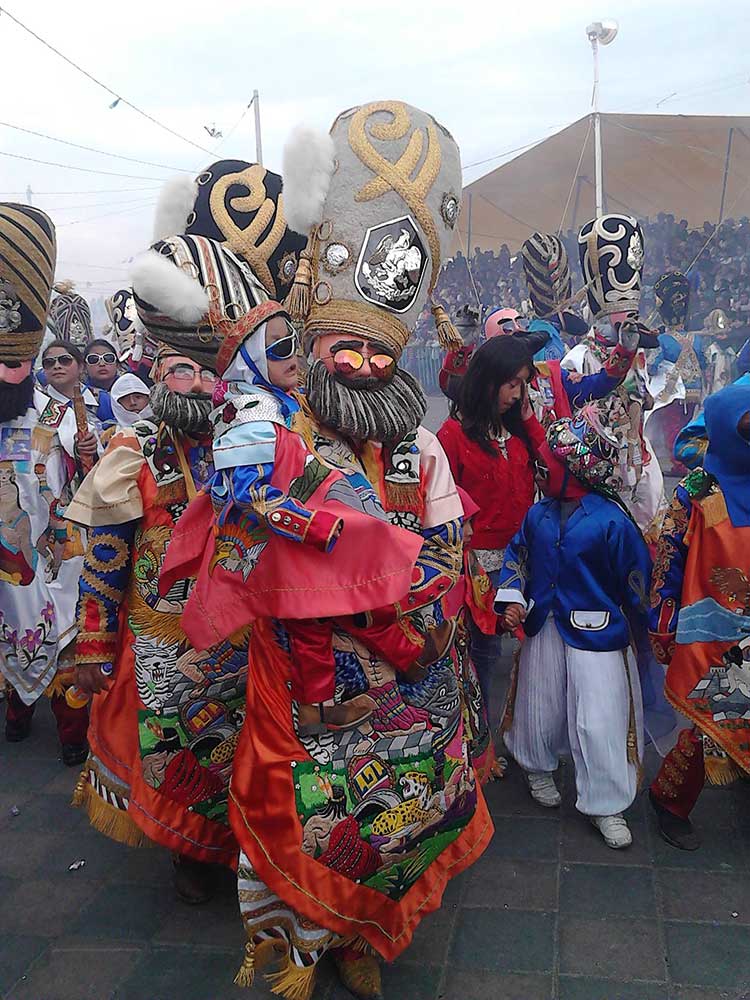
(497, 74)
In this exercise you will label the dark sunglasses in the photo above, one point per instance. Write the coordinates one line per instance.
(12, 364)
(283, 349)
(108, 359)
(65, 360)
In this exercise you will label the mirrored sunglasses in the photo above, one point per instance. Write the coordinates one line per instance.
(95, 359)
(64, 360)
(346, 361)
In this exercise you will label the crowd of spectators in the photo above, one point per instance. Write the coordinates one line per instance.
(719, 275)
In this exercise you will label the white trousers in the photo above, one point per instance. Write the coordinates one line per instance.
(572, 700)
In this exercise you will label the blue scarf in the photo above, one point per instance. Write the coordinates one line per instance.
(728, 453)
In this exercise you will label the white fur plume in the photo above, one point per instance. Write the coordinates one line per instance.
(175, 203)
(162, 284)
(307, 171)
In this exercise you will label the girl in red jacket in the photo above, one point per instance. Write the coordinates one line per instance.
(492, 440)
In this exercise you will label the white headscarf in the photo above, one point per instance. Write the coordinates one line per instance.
(123, 386)
(240, 371)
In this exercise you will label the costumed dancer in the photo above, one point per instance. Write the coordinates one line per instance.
(691, 443)
(328, 824)
(575, 574)
(165, 715)
(70, 314)
(721, 357)
(555, 392)
(35, 626)
(623, 410)
(677, 369)
(700, 617)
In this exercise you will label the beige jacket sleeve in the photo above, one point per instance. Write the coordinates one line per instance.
(109, 494)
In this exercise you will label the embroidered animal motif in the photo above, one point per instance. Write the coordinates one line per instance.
(732, 583)
(417, 792)
(155, 665)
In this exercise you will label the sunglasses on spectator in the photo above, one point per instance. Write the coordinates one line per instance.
(185, 373)
(64, 360)
(95, 359)
(283, 349)
(346, 361)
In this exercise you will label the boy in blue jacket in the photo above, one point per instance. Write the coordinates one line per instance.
(574, 575)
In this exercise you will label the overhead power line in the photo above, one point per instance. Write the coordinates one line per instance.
(46, 194)
(85, 170)
(91, 149)
(105, 215)
(119, 98)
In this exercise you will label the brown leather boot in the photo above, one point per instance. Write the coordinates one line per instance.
(359, 973)
(317, 718)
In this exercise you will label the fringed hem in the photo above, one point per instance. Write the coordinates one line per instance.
(107, 819)
(722, 770)
(293, 982)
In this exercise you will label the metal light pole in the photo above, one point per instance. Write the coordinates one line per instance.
(258, 145)
(599, 32)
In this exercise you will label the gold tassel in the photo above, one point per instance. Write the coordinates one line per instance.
(107, 819)
(246, 975)
(506, 719)
(448, 336)
(293, 982)
(722, 770)
(299, 297)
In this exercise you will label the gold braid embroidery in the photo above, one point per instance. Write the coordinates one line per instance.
(247, 242)
(397, 176)
(122, 553)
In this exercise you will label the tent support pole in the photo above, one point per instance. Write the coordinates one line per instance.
(726, 174)
(468, 229)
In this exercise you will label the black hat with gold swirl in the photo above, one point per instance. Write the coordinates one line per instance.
(27, 264)
(240, 205)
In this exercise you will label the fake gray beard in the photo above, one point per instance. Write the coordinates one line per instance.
(386, 412)
(187, 413)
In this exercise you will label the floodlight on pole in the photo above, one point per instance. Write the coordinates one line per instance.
(599, 33)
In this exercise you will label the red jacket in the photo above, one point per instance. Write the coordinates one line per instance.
(502, 487)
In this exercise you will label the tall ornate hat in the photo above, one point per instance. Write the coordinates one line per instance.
(27, 264)
(547, 273)
(611, 253)
(123, 318)
(71, 314)
(379, 198)
(241, 205)
(672, 293)
(187, 287)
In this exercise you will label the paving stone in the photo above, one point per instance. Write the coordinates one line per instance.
(431, 939)
(720, 850)
(708, 954)
(695, 993)
(510, 797)
(524, 839)
(75, 975)
(581, 842)
(708, 895)
(608, 989)
(17, 952)
(171, 973)
(715, 808)
(502, 941)
(464, 985)
(606, 890)
(611, 949)
(26, 774)
(52, 813)
(124, 911)
(399, 980)
(515, 885)
(216, 924)
(40, 907)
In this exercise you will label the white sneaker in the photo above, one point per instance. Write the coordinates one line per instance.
(543, 789)
(615, 831)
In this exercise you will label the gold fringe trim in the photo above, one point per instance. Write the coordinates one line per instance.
(246, 973)
(448, 336)
(506, 720)
(722, 770)
(293, 982)
(359, 944)
(105, 818)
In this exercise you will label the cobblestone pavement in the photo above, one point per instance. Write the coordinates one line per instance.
(549, 912)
